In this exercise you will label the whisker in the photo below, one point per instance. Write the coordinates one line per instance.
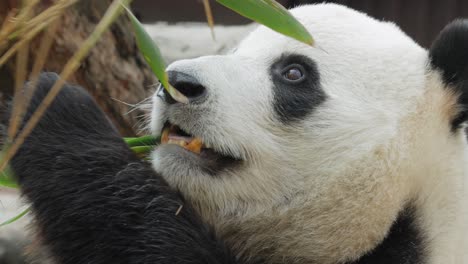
(142, 105)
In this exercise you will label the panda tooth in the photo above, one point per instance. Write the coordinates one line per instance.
(165, 136)
(181, 143)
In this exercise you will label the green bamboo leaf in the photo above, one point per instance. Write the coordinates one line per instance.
(142, 141)
(7, 179)
(153, 56)
(142, 149)
(271, 14)
(16, 218)
(6, 175)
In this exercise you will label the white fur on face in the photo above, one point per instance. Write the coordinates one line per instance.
(327, 188)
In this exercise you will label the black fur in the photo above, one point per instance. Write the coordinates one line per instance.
(94, 201)
(404, 243)
(294, 101)
(449, 54)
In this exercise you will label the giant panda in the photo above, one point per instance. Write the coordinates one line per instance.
(349, 151)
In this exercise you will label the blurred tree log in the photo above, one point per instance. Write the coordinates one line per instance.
(114, 68)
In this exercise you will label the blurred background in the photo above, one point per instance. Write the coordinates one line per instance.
(119, 79)
(421, 19)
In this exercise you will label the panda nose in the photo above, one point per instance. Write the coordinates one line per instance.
(187, 85)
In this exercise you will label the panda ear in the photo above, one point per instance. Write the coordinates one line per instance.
(449, 55)
(449, 52)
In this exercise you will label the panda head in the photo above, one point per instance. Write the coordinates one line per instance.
(313, 152)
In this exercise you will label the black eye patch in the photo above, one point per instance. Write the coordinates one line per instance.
(296, 87)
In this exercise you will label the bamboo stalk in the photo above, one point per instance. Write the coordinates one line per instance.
(55, 10)
(33, 27)
(18, 99)
(42, 54)
(21, 70)
(209, 17)
(114, 10)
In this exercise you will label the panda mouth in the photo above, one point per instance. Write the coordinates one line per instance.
(173, 135)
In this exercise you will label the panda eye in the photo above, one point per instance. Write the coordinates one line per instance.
(294, 73)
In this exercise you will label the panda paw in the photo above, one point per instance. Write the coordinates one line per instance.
(72, 130)
(73, 112)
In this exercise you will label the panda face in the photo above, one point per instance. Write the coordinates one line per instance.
(304, 146)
